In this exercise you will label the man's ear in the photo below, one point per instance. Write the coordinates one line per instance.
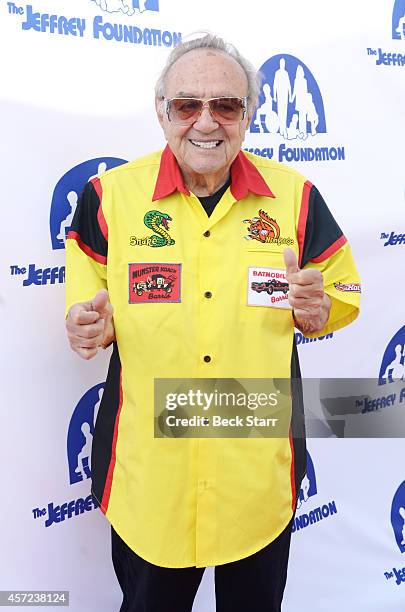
(159, 106)
(249, 116)
(250, 111)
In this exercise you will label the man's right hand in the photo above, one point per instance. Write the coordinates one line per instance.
(89, 325)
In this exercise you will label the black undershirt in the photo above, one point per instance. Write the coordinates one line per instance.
(209, 202)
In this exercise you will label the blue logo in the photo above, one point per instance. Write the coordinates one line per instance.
(127, 7)
(398, 20)
(398, 517)
(398, 526)
(67, 192)
(80, 434)
(39, 276)
(393, 362)
(308, 485)
(301, 339)
(305, 516)
(290, 103)
(79, 440)
(388, 58)
(98, 29)
(392, 239)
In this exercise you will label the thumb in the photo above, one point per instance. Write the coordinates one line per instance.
(100, 302)
(291, 262)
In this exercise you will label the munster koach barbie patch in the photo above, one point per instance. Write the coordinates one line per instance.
(154, 282)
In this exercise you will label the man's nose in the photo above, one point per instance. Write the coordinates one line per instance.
(206, 122)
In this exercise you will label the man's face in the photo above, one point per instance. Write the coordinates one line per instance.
(204, 73)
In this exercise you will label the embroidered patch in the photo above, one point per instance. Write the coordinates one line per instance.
(267, 287)
(265, 229)
(154, 282)
(159, 223)
(356, 287)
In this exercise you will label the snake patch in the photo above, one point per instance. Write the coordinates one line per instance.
(158, 222)
(154, 282)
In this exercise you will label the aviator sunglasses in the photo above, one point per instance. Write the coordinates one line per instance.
(225, 110)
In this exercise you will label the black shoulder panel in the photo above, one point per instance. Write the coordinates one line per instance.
(85, 226)
(321, 229)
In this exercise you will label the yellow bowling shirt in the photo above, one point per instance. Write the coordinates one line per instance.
(199, 297)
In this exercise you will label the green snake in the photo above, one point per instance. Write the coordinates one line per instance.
(154, 219)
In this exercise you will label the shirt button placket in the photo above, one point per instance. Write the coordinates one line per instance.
(207, 294)
(206, 525)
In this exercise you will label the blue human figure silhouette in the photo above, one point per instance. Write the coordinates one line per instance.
(84, 457)
(266, 111)
(282, 95)
(300, 97)
(102, 167)
(303, 496)
(115, 6)
(402, 515)
(312, 115)
(401, 27)
(72, 198)
(97, 406)
(396, 369)
(66, 223)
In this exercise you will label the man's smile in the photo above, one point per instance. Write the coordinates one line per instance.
(206, 144)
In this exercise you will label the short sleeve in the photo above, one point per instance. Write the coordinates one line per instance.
(87, 247)
(325, 247)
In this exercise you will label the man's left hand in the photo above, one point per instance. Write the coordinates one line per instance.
(310, 304)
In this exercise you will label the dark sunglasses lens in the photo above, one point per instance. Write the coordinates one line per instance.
(184, 109)
(227, 110)
(223, 110)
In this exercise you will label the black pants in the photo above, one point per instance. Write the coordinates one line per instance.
(253, 584)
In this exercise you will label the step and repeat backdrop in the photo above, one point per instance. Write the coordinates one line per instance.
(77, 81)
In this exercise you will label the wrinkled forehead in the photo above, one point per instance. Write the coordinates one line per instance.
(206, 73)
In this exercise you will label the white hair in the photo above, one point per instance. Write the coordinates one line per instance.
(212, 41)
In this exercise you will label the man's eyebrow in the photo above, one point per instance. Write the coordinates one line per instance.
(185, 94)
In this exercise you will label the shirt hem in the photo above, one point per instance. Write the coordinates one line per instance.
(251, 551)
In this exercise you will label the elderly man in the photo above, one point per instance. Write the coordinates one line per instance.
(161, 260)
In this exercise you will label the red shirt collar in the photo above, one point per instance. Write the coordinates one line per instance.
(244, 178)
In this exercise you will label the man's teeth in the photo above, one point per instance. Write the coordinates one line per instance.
(205, 145)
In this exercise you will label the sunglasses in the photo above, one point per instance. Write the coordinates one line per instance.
(226, 110)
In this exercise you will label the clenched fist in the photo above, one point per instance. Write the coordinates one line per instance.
(310, 303)
(89, 325)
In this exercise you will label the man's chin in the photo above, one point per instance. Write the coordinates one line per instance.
(207, 166)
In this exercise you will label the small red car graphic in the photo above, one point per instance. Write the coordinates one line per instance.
(270, 286)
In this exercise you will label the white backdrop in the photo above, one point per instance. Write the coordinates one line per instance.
(71, 92)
